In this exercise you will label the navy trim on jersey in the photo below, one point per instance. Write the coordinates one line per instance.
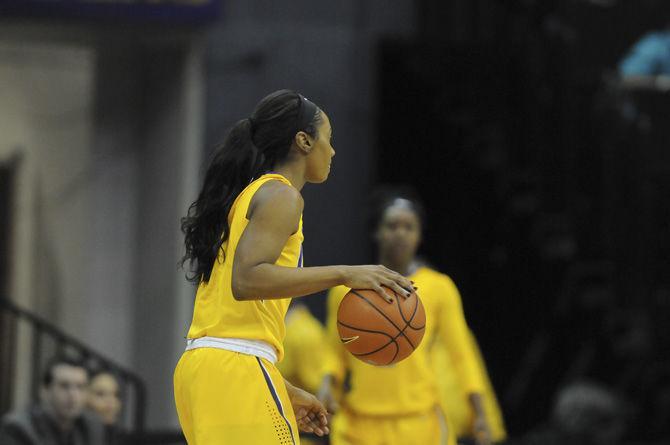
(275, 396)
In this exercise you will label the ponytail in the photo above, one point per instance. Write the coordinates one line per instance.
(252, 147)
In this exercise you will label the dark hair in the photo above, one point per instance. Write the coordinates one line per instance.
(386, 196)
(253, 147)
(48, 377)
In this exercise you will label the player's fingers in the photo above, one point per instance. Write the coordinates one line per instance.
(306, 422)
(399, 290)
(380, 290)
(313, 427)
(403, 282)
(482, 437)
(323, 417)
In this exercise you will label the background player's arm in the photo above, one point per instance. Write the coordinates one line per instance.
(274, 215)
(454, 332)
(335, 365)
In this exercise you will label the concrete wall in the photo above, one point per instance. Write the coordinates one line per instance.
(110, 134)
(46, 111)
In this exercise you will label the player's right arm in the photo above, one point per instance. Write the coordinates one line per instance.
(274, 215)
(455, 335)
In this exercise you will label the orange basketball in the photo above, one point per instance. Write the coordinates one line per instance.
(378, 332)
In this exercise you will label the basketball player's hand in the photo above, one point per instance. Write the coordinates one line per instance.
(374, 277)
(481, 430)
(309, 412)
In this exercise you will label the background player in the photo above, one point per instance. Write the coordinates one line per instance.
(243, 238)
(401, 403)
(304, 351)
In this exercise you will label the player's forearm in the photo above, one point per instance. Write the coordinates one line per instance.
(477, 403)
(269, 281)
(290, 389)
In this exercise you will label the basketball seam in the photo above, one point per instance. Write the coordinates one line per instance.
(366, 330)
(416, 308)
(401, 331)
(391, 340)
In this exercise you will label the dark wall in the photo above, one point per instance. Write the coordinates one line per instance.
(545, 202)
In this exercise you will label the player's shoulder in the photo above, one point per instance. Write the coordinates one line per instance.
(280, 193)
(278, 199)
(435, 276)
(436, 280)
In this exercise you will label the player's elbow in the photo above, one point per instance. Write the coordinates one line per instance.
(241, 288)
(244, 284)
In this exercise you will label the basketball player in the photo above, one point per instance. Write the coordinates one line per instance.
(243, 239)
(401, 403)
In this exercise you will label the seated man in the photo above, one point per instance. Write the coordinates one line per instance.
(58, 419)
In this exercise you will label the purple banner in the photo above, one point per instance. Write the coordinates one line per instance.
(158, 11)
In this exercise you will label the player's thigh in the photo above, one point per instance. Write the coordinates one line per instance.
(232, 398)
(181, 402)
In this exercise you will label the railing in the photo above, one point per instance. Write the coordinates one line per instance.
(44, 334)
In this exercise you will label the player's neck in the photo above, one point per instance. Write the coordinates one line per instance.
(294, 173)
(402, 267)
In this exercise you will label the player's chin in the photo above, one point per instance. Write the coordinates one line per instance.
(322, 177)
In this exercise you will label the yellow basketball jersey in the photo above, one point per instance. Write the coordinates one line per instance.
(217, 313)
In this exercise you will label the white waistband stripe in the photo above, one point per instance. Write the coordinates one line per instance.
(250, 347)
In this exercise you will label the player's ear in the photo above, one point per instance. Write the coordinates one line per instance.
(303, 141)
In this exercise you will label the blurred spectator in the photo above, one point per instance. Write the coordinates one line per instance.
(647, 64)
(104, 400)
(584, 413)
(59, 418)
(650, 56)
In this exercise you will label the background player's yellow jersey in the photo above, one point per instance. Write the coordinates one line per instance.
(216, 312)
(305, 353)
(411, 385)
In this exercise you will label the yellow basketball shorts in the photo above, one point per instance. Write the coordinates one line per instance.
(419, 429)
(229, 398)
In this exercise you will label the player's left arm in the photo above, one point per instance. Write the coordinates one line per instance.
(481, 428)
(310, 414)
(455, 334)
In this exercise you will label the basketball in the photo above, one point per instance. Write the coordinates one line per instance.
(378, 332)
